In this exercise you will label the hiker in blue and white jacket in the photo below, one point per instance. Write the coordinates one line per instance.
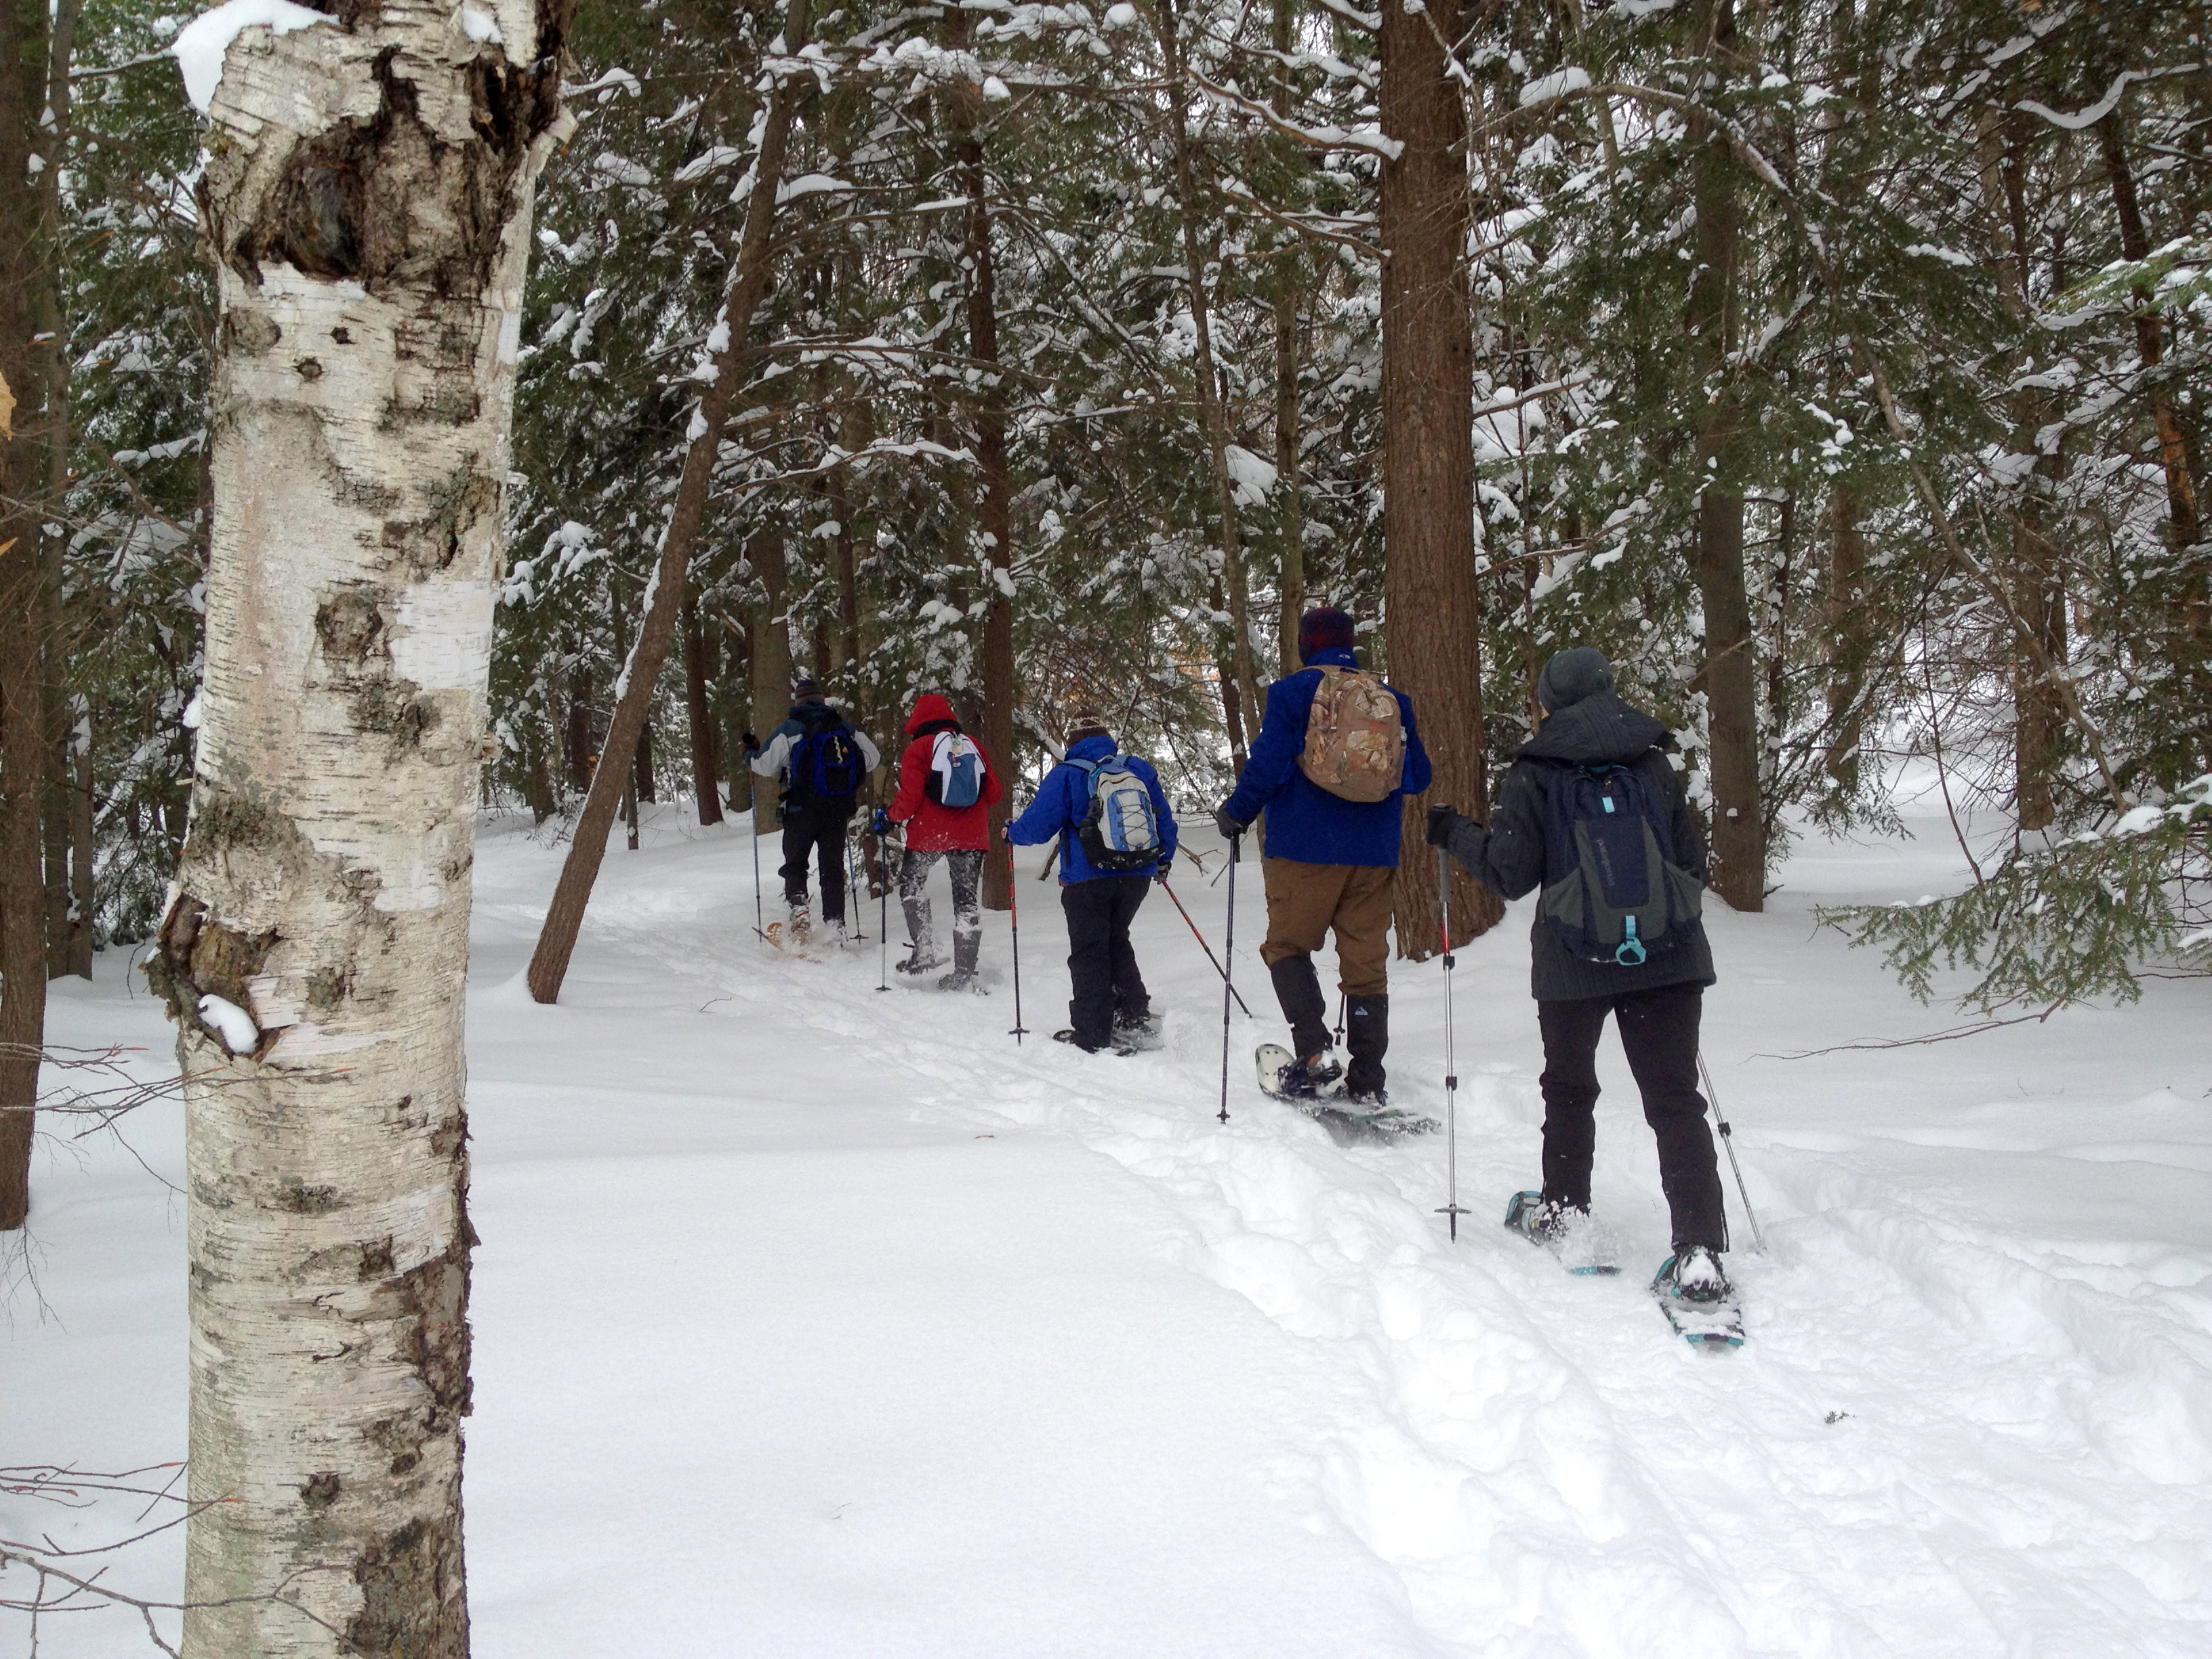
(1654, 994)
(824, 762)
(1109, 1006)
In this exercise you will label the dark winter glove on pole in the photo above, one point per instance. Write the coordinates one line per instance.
(1231, 828)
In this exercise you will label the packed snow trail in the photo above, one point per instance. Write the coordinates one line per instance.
(1951, 1434)
(813, 1319)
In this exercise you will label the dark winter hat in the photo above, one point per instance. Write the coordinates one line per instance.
(1578, 672)
(1087, 725)
(1323, 628)
(803, 688)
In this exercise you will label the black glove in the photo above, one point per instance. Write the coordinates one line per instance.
(1231, 827)
(752, 743)
(1441, 821)
(1163, 866)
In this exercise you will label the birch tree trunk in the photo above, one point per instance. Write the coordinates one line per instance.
(367, 198)
(1433, 613)
(564, 916)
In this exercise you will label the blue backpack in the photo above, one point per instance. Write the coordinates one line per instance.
(827, 763)
(1116, 825)
(956, 771)
(1612, 891)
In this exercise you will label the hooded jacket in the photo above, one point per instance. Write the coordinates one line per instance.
(1063, 798)
(1508, 857)
(1304, 821)
(932, 827)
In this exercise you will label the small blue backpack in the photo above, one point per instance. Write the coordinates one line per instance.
(956, 771)
(1117, 828)
(1612, 891)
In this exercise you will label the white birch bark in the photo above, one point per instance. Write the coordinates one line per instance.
(367, 200)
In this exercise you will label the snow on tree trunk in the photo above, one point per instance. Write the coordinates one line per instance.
(367, 197)
(1432, 612)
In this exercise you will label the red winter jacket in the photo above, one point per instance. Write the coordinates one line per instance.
(930, 827)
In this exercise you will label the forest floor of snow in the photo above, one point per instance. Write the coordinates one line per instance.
(813, 1319)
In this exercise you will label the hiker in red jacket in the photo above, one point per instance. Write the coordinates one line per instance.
(946, 786)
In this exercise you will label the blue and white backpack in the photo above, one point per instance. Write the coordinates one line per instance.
(1117, 826)
(956, 771)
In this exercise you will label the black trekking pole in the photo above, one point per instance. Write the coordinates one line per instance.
(1728, 1139)
(1451, 1209)
(884, 909)
(760, 916)
(1228, 962)
(1014, 920)
(1204, 946)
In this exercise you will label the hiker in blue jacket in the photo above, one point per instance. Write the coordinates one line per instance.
(1108, 1007)
(1329, 863)
(1654, 996)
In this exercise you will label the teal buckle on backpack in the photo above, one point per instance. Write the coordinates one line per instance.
(1630, 952)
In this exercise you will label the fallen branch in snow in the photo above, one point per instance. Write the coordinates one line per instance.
(1951, 1036)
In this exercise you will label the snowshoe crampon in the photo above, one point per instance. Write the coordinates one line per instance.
(1115, 1046)
(1702, 1309)
(1141, 1033)
(1583, 1248)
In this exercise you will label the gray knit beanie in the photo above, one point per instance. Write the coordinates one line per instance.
(1578, 672)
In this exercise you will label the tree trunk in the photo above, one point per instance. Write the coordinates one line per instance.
(82, 897)
(641, 771)
(1729, 678)
(1213, 418)
(367, 200)
(1847, 642)
(23, 258)
(1432, 612)
(739, 673)
(577, 733)
(704, 780)
(564, 916)
(769, 662)
(994, 515)
(1290, 523)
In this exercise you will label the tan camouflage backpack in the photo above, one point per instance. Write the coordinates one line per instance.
(1355, 737)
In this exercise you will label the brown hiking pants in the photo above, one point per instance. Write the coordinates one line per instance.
(1304, 900)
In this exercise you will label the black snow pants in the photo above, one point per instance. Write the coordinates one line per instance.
(1102, 965)
(1659, 1030)
(816, 825)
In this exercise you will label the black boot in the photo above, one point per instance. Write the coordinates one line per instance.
(1298, 989)
(1367, 1036)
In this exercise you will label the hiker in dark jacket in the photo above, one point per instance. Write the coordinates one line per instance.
(1656, 1002)
(1108, 1006)
(814, 819)
(1329, 863)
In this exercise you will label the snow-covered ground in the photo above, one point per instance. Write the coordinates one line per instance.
(819, 1321)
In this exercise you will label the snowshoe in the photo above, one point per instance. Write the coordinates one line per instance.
(918, 962)
(1137, 1032)
(1348, 1125)
(1700, 1303)
(961, 979)
(1116, 1047)
(1583, 1247)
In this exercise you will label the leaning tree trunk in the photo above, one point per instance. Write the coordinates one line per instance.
(1730, 675)
(22, 724)
(1432, 610)
(367, 198)
(705, 780)
(564, 916)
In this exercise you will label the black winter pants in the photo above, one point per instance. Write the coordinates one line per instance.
(1102, 966)
(817, 827)
(1659, 1030)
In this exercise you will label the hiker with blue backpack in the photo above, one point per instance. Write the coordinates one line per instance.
(946, 785)
(1337, 753)
(1117, 836)
(1592, 812)
(824, 762)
